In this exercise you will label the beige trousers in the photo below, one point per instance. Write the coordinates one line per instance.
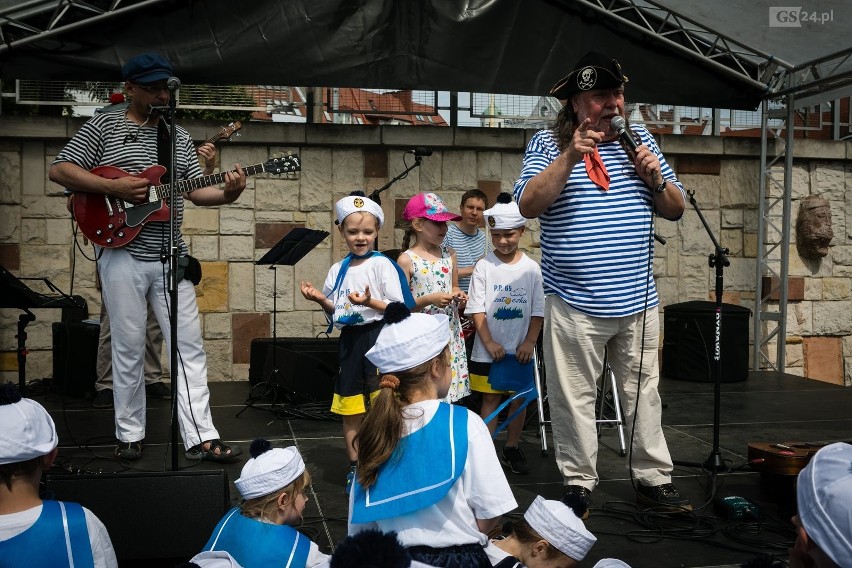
(573, 355)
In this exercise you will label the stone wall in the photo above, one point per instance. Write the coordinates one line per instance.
(236, 296)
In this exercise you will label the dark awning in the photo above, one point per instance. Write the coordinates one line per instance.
(499, 46)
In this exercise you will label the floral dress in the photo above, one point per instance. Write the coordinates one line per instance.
(428, 277)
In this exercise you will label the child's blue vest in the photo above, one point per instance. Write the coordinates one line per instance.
(255, 544)
(58, 538)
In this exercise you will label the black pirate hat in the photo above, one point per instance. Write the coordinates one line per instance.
(593, 71)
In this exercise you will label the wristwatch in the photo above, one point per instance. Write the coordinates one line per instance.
(662, 187)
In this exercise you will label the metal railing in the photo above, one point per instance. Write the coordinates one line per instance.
(828, 121)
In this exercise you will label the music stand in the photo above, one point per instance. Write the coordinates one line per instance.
(16, 294)
(287, 252)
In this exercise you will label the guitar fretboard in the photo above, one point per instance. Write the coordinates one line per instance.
(189, 185)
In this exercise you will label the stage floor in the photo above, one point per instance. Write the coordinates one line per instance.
(768, 407)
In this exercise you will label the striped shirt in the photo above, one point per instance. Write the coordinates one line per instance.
(597, 246)
(103, 141)
(469, 249)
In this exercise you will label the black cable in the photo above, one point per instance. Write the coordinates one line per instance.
(75, 227)
(760, 536)
(650, 277)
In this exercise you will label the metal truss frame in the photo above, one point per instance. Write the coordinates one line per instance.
(35, 20)
(820, 80)
(773, 238)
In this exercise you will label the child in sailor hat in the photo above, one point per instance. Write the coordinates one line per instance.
(36, 531)
(273, 485)
(354, 296)
(824, 521)
(426, 469)
(550, 534)
(506, 303)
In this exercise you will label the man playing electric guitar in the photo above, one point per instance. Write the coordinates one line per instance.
(134, 274)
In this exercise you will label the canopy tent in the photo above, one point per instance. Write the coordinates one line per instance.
(498, 46)
(730, 54)
(724, 55)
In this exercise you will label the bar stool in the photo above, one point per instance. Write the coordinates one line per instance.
(607, 403)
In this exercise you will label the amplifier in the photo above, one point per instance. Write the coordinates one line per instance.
(75, 352)
(303, 369)
(150, 514)
(689, 341)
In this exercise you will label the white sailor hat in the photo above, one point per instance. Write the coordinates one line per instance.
(27, 430)
(354, 203)
(824, 495)
(269, 469)
(505, 214)
(557, 524)
(407, 339)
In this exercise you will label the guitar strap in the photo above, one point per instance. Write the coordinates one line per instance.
(164, 158)
(164, 153)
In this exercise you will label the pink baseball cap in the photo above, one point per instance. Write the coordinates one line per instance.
(428, 206)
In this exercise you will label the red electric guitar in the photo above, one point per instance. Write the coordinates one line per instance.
(225, 132)
(111, 222)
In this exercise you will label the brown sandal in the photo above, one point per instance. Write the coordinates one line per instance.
(226, 453)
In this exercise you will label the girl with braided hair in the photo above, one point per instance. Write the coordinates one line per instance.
(426, 469)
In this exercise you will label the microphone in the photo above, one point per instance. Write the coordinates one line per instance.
(164, 110)
(624, 133)
(420, 151)
(173, 83)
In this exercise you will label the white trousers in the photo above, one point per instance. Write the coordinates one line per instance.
(127, 285)
(573, 355)
(153, 347)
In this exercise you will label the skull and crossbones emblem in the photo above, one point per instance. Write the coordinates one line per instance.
(586, 78)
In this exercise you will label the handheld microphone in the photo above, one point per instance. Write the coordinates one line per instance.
(420, 151)
(624, 133)
(173, 83)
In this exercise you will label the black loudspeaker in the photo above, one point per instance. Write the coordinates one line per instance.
(689, 342)
(150, 515)
(307, 367)
(75, 352)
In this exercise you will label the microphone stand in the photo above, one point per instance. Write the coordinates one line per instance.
(718, 260)
(418, 159)
(174, 259)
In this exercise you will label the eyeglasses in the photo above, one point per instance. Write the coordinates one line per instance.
(152, 89)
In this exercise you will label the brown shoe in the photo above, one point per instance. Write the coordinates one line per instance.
(664, 497)
(578, 498)
(158, 390)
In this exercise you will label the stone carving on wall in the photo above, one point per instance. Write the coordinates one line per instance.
(813, 227)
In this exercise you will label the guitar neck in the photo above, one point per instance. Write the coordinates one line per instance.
(190, 185)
